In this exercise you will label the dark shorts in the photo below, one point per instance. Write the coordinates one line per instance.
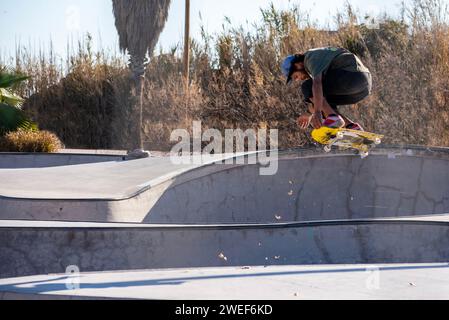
(341, 87)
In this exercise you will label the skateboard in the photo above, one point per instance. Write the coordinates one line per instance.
(346, 139)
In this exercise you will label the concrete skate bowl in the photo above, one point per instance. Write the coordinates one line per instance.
(317, 209)
(45, 160)
(308, 186)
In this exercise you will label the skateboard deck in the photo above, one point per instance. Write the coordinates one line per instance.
(347, 139)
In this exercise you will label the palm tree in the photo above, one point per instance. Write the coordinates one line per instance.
(139, 24)
(11, 114)
(187, 43)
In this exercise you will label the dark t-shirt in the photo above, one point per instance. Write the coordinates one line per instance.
(319, 60)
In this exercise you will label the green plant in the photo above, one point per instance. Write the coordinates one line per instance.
(11, 115)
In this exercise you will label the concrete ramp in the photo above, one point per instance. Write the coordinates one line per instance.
(308, 186)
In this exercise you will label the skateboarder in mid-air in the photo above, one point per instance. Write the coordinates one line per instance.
(331, 77)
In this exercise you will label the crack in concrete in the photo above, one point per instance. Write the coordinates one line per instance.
(299, 193)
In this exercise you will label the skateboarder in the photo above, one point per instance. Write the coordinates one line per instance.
(331, 77)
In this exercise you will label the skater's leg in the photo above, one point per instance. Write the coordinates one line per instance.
(348, 123)
(330, 106)
(332, 118)
(309, 99)
(327, 109)
(347, 88)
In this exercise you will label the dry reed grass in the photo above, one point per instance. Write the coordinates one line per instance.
(236, 82)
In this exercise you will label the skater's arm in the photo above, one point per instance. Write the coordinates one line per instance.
(318, 98)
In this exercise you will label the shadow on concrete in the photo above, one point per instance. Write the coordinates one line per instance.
(41, 287)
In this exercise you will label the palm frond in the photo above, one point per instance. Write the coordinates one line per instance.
(7, 80)
(12, 119)
(11, 99)
(139, 24)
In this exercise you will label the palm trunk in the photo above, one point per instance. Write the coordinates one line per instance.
(137, 66)
(139, 24)
(186, 58)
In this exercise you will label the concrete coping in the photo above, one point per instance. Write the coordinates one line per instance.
(441, 220)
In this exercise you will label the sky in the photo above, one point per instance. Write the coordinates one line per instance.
(36, 22)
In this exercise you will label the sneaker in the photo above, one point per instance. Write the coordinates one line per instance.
(354, 126)
(334, 121)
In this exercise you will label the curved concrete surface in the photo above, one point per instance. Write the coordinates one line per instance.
(30, 248)
(392, 182)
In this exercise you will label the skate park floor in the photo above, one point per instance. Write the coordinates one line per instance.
(343, 282)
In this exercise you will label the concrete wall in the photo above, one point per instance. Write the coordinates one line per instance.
(34, 251)
(304, 189)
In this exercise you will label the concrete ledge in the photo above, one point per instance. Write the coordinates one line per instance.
(47, 160)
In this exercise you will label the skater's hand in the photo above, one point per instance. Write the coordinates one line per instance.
(304, 121)
(317, 120)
